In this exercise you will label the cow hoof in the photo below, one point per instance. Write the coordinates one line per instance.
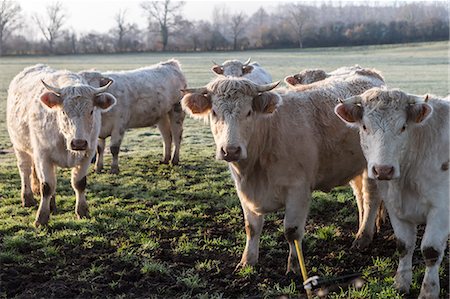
(114, 170)
(361, 243)
(164, 162)
(98, 170)
(175, 161)
(42, 218)
(83, 212)
(28, 200)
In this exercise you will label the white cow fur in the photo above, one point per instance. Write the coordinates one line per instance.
(147, 96)
(280, 146)
(41, 135)
(253, 71)
(410, 139)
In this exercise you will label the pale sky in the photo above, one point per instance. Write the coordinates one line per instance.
(98, 15)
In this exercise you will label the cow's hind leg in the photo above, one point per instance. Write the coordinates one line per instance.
(100, 152)
(357, 187)
(25, 165)
(47, 177)
(164, 128)
(79, 182)
(297, 206)
(176, 116)
(371, 204)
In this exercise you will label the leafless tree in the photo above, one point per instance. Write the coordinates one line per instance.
(165, 13)
(52, 28)
(299, 16)
(121, 29)
(9, 20)
(238, 23)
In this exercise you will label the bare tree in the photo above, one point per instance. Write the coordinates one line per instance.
(52, 28)
(238, 24)
(121, 29)
(165, 13)
(9, 20)
(299, 16)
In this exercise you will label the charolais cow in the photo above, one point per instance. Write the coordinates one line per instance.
(405, 139)
(310, 76)
(54, 119)
(251, 71)
(145, 97)
(280, 145)
(313, 78)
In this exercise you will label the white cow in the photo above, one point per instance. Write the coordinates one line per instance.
(406, 143)
(147, 96)
(234, 68)
(280, 146)
(54, 119)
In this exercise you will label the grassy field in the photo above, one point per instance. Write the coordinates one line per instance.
(159, 231)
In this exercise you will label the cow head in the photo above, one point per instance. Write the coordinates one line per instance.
(94, 78)
(233, 68)
(306, 77)
(385, 119)
(78, 109)
(232, 106)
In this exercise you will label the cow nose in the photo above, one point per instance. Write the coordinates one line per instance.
(231, 153)
(383, 172)
(78, 144)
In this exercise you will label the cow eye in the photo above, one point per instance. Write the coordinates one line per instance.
(364, 127)
(403, 129)
(214, 113)
(92, 111)
(249, 113)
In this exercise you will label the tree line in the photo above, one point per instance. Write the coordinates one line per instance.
(288, 25)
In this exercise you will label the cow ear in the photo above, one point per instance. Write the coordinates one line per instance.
(418, 113)
(247, 69)
(217, 69)
(51, 100)
(196, 104)
(349, 113)
(291, 80)
(105, 101)
(266, 102)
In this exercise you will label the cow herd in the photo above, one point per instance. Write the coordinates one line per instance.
(321, 131)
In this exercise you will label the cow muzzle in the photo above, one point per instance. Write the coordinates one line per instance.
(383, 172)
(230, 153)
(78, 145)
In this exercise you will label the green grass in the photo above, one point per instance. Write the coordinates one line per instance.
(159, 231)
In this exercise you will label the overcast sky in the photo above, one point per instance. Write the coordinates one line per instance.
(98, 15)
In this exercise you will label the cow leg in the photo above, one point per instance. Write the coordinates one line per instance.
(356, 184)
(35, 184)
(164, 128)
(79, 185)
(433, 246)
(405, 233)
(297, 206)
(176, 116)
(116, 140)
(100, 152)
(25, 165)
(253, 227)
(371, 203)
(47, 177)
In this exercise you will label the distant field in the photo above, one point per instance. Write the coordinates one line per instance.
(163, 232)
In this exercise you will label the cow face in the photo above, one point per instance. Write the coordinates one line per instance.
(385, 119)
(306, 77)
(231, 105)
(233, 68)
(78, 111)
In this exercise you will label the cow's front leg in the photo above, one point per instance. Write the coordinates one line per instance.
(297, 206)
(79, 182)
(433, 246)
(25, 165)
(371, 204)
(99, 158)
(116, 140)
(253, 227)
(405, 232)
(47, 177)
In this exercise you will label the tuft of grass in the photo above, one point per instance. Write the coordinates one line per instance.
(154, 267)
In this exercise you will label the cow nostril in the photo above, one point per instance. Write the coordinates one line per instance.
(222, 151)
(78, 144)
(374, 170)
